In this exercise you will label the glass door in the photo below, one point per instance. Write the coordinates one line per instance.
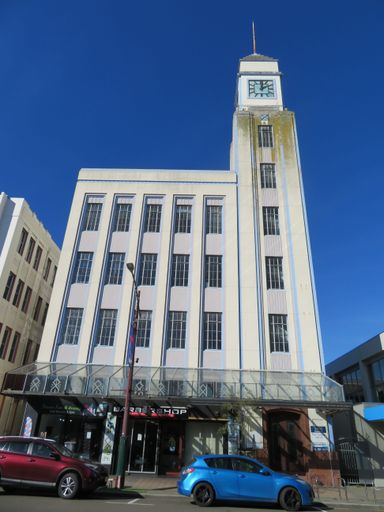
(142, 457)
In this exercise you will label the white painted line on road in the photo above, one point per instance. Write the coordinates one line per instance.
(132, 502)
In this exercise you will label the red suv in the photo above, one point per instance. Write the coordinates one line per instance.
(37, 462)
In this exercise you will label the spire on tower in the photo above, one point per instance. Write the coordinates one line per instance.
(253, 37)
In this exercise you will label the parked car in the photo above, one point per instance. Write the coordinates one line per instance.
(233, 477)
(43, 463)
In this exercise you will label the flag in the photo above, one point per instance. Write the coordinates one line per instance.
(131, 345)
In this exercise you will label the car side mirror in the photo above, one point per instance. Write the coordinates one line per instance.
(54, 456)
(264, 472)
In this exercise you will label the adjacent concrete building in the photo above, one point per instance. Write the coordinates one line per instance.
(228, 347)
(28, 265)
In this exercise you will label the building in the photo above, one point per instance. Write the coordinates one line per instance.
(228, 348)
(28, 264)
(359, 433)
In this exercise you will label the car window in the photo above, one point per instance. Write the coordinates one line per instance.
(17, 447)
(41, 450)
(219, 463)
(247, 466)
(3, 445)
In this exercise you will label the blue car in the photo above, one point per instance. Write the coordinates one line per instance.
(233, 477)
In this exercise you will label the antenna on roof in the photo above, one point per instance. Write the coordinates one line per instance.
(253, 37)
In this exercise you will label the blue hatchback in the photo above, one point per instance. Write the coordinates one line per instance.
(233, 477)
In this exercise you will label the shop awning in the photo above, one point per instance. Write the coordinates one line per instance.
(187, 385)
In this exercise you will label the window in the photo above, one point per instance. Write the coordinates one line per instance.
(268, 175)
(212, 331)
(92, 217)
(352, 382)
(115, 267)
(27, 353)
(213, 220)
(45, 314)
(82, 267)
(213, 271)
(36, 313)
(18, 447)
(246, 466)
(265, 136)
(183, 218)
(54, 275)
(39, 252)
(27, 299)
(47, 269)
(278, 333)
(37, 348)
(31, 248)
(177, 323)
(143, 332)
(4, 342)
(180, 270)
(14, 347)
(22, 242)
(219, 462)
(274, 268)
(152, 218)
(271, 220)
(107, 327)
(18, 293)
(122, 217)
(72, 324)
(9, 286)
(148, 269)
(42, 450)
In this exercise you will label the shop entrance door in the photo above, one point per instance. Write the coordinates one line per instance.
(143, 454)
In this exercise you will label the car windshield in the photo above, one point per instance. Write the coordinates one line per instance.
(65, 451)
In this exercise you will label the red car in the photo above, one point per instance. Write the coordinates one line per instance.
(43, 463)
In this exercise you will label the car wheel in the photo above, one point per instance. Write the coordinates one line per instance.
(203, 494)
(290, 499)
(68, 486)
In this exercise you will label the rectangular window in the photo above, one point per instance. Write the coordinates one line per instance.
(265, 136)
(115, 267)
(268, 175)
(47, 269)
(35, 354)
(9, 286)
(213, 219)
(23, 241)
(18, 293)
(183, 218)
(107, 327)
(177, 329)
(278, 333)
(152, 218)
(271, 220)
(274, 270)
(27, 353)
(39, 252)
(212, 331)
(45, 314)
(143, 333)
(148, 269)
(72, 324)
(31, 248)
(36, 313)
(54, 275)
(180, 270)
(213, 271)
(4, 342)
(82, 267)
(122, 217)
(27, 299)
(14, 347)
(92, 216)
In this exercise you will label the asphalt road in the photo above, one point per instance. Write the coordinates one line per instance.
(136, 502)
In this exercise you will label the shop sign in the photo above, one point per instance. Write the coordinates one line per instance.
(155, 412)
(319, 438)
(109, 436)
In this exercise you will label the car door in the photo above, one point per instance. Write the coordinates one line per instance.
(255, 483)
(13, 458)
(43, 464)
(224, 479)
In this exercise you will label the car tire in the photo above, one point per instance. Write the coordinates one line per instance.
(203, 494)
(68, 486)
(290, 499)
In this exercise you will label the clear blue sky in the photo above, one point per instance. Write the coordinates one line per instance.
(118, 83)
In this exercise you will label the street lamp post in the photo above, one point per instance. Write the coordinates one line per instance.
(123, 442)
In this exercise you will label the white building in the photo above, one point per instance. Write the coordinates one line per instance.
(28, 264)
(228, 313)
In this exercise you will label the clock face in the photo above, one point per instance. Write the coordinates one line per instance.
(261, 88)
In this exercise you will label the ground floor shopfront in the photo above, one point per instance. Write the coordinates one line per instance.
(283, 423)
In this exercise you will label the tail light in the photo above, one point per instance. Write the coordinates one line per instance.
(187, 471)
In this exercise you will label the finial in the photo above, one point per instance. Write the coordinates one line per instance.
(253, 37)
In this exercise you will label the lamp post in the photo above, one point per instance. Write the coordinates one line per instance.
(123, 442)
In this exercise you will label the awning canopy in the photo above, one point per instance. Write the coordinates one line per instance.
(189, 385)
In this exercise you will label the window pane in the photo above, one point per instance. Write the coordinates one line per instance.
(92, 216)
(268, 176)
(27, 299)
(278, 333)
(177, 322)
(213, 271)
(72, 324)
(212, 331)
(274, 270)
(22, 242)
(153, 218)
(82, 267)
(18, 293)
(107, 327)
(183, 218)
(122, 217)
(213, 221)
(143, 332)
(148, 269)
(39, 252)
(271, 220)
(9, 286)
(31, 248)
(265, 136)
(180, 270)
(115, 268)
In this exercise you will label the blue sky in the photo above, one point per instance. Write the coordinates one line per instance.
(95, 83)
